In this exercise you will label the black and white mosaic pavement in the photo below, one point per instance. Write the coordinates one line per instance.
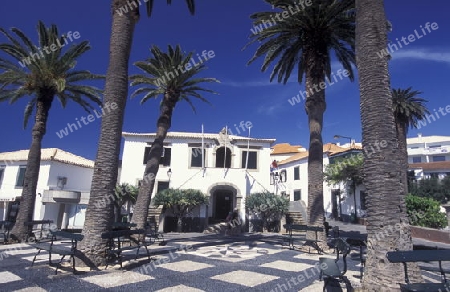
(252, 265)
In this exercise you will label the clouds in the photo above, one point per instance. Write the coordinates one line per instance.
(422, 54)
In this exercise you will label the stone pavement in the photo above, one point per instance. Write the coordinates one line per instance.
(189, 262)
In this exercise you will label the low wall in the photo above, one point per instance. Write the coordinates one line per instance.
(431, 234)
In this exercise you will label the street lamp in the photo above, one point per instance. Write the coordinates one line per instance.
(345, 137)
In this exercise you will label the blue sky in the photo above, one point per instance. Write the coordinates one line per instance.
(245, 93)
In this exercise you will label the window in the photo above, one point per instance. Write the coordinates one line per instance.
(438, 158)
(417, 159)
(162, 185)
(165, 157)
(21, 176)
(297, 195)
(252, 160)
(362, 199)
(2, 171)
(297, 173)
(196, 157)
(223, 157)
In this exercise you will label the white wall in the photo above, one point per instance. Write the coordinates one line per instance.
(185, 176)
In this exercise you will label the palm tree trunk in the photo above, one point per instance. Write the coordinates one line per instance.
(27, 203)
(100, 211)
(387, 222)
(401, 136)
(164, 122)
(315, 107)
(354, 200)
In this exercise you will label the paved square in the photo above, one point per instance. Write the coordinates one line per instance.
(180, 288)
(185, 266)
(287, 266)
(110, 280)
(6, 277)
(245, 278)
(32, 289)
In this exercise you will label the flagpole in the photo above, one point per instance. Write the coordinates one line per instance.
(248, 148)
(203, 148)
(225, 156)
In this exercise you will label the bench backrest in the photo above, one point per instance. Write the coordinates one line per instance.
(123, 225)
(121, 233)
(67, 235)
(418, 256)
(5, 225)
(38, 222)
(409, 256)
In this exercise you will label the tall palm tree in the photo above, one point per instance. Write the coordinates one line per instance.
(409, 109)
(386, 207)
(172, 88)
(307, 39)
(41, 75)
(125, 15)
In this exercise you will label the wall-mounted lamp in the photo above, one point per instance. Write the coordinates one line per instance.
(169, 172)
(62, 181)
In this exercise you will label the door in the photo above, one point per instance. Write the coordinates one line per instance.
(224, 204)
(334, 204)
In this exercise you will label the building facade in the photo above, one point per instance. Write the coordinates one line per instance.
(225, 167)
(62, 189)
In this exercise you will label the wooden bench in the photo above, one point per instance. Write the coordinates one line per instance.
(44, 225)
(5, 227)
(115, 244)
(291, 236)
(410, 256)
(60, 250)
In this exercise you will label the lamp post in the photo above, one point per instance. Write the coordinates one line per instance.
(345, 137)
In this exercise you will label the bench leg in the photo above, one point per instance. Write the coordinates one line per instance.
(148, 254)
(137, 252)
(32, 263)
(59, 264)
(73, 263)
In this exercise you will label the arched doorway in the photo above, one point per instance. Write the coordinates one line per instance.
(224, 197)
(224, 203)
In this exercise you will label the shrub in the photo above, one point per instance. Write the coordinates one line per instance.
(425, 212)
(268, 206)
(180, 202)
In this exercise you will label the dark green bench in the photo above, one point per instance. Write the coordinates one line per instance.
(411, 256)
(292, 236)
(116, 244)
(42, 231)
(60, 250)
(5, 227)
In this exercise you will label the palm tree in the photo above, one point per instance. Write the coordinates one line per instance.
(41, 74)
(386, 207)
(306, 40)
(408, 111)
(173, 88)
(125, 15)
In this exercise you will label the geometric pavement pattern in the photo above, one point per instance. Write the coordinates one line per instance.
(244, 266)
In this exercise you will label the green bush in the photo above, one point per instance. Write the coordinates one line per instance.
(180, 202)
(268, 206)
(425, 212)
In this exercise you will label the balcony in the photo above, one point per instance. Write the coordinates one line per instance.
(429, 151)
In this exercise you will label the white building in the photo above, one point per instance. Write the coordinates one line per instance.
(429, 156)
(224, 177)
(338, 199)
(62, 189)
